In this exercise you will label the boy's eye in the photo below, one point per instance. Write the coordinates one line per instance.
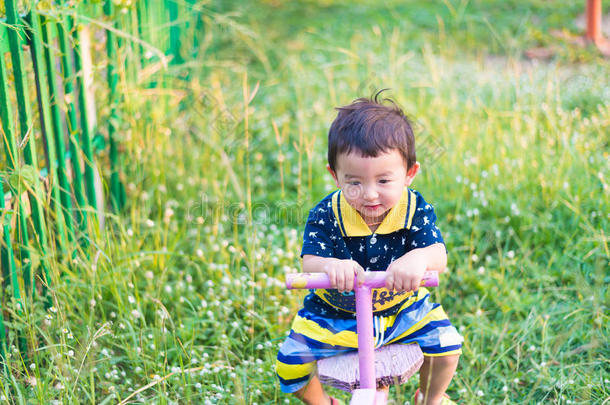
(384, 181)
(354, 183)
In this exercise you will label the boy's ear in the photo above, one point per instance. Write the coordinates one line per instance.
(411, 173)
(332, 173)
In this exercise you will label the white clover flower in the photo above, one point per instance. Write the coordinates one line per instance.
(129, 232)
(150, 223)
(131, 299)
(474, 258)
(510, 254)
(505, 388)
(136, 314)
(481, 270)
(149, 275)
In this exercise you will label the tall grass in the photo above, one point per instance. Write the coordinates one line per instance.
(183, 301)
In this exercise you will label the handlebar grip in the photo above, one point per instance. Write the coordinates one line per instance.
(374, 279)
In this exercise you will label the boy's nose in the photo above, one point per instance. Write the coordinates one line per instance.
(370, 193)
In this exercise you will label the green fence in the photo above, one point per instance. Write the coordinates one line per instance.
(53, 150)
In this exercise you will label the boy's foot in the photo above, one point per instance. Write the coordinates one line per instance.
(335, 401)
(445, 401)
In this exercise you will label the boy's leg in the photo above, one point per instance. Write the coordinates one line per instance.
(313, 393)
(434, 378)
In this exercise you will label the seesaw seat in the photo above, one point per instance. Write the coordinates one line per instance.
(394, 364)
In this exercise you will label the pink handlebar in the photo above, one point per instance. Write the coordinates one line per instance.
(374, 279)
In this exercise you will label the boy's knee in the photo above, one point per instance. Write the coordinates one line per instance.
(444, 361)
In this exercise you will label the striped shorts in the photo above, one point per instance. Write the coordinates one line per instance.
(314, 337)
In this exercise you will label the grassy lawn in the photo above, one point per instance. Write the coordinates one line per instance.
(186, 292)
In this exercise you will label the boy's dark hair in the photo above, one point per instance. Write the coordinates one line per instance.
(370, 127)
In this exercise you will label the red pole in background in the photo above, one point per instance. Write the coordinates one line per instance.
(594, 21)
(593, 35)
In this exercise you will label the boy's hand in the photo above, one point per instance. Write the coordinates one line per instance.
(342, 272)
(406, 272)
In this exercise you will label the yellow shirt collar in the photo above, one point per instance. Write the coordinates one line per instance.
(352, 224)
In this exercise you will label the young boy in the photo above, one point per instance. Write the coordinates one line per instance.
(374, 222)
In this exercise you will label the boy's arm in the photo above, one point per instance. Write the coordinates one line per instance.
(406, 272)
(340, 272)
(435, 256)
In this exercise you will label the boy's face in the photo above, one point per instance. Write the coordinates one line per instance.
(373, 185)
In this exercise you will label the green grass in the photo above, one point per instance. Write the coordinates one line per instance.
(190, 279)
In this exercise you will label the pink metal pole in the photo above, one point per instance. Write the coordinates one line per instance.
(366, 344)
(375, 279)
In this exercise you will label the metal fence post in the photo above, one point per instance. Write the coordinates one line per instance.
(26, 129)
(44, 114)
(58, 131)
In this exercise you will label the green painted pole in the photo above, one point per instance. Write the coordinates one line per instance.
(77, 175)
(12, 161)
(58, 131)
(84, 117)
(198, 28)
(47, 132)
(115, 184)
(174, 32)
(23, 106)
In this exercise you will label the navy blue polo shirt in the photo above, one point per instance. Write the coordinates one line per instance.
(336, 229)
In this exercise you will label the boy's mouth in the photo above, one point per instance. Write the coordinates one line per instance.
(372, 207)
